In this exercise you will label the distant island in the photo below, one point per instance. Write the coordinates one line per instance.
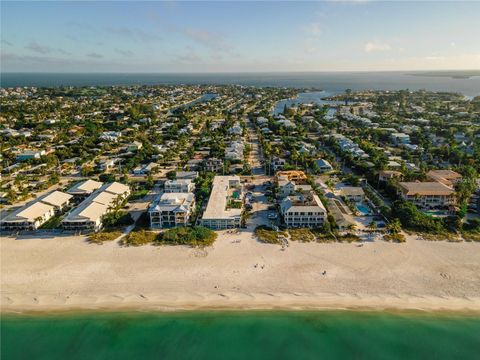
(461, 74)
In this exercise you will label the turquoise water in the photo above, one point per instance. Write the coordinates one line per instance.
(363, 209)
(246, 335)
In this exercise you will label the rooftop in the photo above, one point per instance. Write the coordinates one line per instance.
(172, 201)
(217, 203)
(309, 202)
(425, 188)
(30, 212)
(85, 187)
(55, 198)
(352, 191)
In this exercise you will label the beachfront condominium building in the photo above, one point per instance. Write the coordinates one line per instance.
(304, 211)
(171, 210)
(446, 177)
(88, 215)
(225, 204)
(34, 214)
(427, 195)
(179, 186)
(83, 189)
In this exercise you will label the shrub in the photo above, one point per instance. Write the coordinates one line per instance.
(117, 218)
(303, 235)
(100, 237)
(140, 237)
(413, 219)
(267, 235)
(471, 236)
(348, 238)
(193, 236)
(399, 238)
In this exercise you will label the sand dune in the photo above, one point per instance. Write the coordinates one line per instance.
(47, 274)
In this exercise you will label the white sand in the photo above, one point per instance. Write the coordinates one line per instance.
(52, 274)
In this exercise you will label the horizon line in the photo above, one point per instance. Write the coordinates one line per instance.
(234, 72)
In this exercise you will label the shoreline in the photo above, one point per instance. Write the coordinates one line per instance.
(286, 303)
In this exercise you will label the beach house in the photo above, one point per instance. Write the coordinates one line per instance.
(171, 210)
(304, 210)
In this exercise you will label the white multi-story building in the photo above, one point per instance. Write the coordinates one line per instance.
(179, 186)
(171, 210)
(303, 211)
(225, 204)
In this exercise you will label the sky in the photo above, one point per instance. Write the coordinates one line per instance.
(239, 36)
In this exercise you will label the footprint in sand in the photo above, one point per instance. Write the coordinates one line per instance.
(445, 276)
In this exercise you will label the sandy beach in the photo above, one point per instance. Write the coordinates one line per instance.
(60, 274)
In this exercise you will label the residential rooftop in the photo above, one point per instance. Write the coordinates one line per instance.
(217, 203)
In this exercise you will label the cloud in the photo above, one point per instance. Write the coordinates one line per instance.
(190, 56)
(133, 33)
(352, 2)
(95, 55)
(36, 47)
(123, 52)
(208, 39)
(375, 46)
(313, 29)
(64, 52)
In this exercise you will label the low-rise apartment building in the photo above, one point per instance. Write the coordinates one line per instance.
(34, 214)
(427, 195)
(225, 204)
(88, 215)
(446, 177)
(303, 211)
(83, 189)
(171, 210)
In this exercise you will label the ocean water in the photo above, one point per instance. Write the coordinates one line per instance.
(241, 335)
(333, 81)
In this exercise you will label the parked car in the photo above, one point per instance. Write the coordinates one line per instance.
(272, 216)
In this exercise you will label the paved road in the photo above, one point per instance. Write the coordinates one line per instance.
(255, 159)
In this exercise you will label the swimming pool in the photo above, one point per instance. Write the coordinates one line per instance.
(363, 209)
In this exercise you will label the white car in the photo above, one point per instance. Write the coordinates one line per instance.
(272, 216)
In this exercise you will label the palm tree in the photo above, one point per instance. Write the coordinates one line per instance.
(395, 226)
(352, 227)
(372, 226)
(348, 92)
